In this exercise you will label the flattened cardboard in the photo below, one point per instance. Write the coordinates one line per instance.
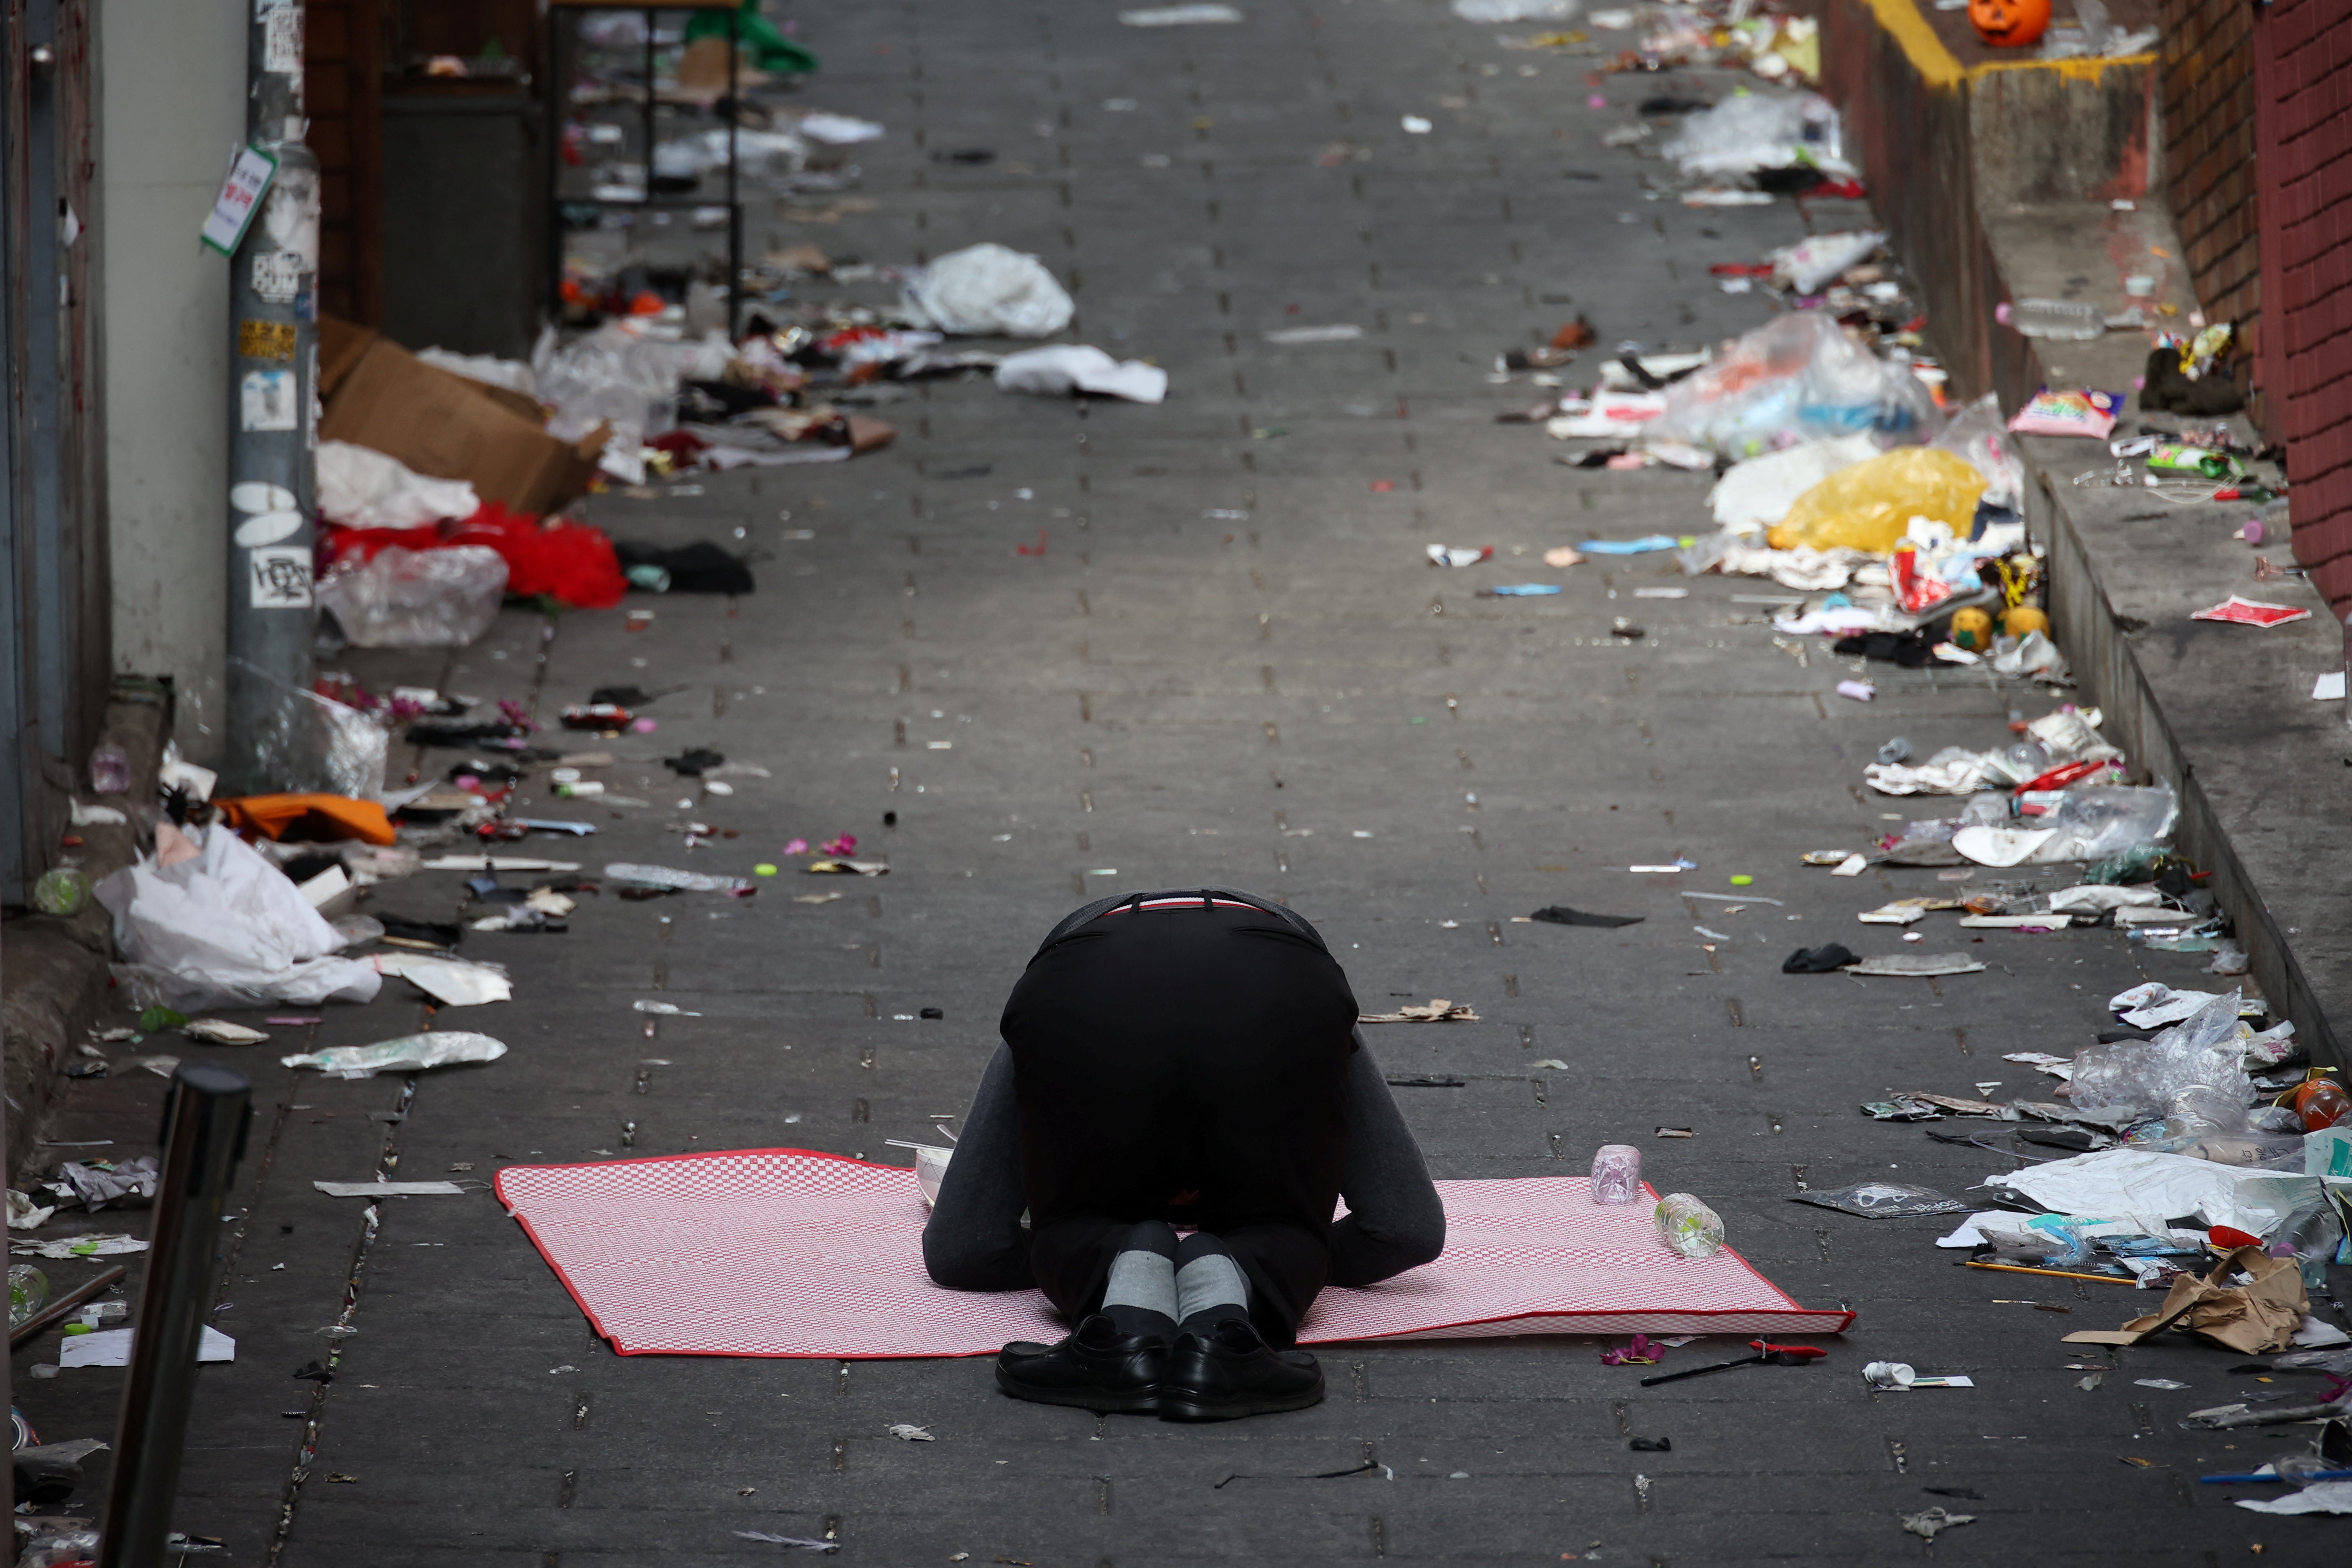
(444, 426)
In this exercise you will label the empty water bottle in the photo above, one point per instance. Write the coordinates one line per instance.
(1616, 1174)
(29, 1292)
(1689, 1226)
(110, 769)
(2062, 318)
(61, 891)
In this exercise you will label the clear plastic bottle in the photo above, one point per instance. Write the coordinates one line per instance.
(1689, 1226)
(62, 891)
(110, 769)
(2065, 320)
(1616, 1174)
(29, 1292)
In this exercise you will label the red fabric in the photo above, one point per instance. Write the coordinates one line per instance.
(570, 562)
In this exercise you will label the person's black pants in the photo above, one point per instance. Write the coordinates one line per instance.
(1182, 1064)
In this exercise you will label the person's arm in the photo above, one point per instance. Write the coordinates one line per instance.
(1395, 1220)
(974, 1240)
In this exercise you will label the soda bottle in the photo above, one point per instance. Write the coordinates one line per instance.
(1689, 1226)
(2321, 1102)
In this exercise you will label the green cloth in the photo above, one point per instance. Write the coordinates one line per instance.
(767, 48)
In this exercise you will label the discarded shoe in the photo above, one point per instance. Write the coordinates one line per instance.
(1232, 1373)
(1096, 1368)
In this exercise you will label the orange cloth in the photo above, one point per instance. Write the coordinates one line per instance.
(308, 818)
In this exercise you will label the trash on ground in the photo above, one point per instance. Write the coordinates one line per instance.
(906, 1432)
(2084, 413)
(1194, 15)
(1067, 368)
(111, 1347)
(2242, 612)
(221, 1032)
(1915, 965)
(1438, 1011)
(671, 879)
(390, 1189)
(452, 982)
(225, 928)
(1928, 1523)
(410, 1053)
(1561, 915)
(1640, 1351)
(989, 289)
(113, 1245)
(1883, 1200)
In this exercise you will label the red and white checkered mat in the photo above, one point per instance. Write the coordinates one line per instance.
(780, 1252)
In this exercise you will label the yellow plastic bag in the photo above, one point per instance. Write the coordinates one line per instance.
(1868, 506)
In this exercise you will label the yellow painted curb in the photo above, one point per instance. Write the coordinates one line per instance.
(1940, 68)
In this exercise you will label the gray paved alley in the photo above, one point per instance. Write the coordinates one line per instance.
(1230, 663)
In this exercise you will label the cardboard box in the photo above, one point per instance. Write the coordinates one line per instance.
(444, 426)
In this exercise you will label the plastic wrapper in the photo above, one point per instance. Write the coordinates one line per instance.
(606, 377)
(1810, 263)
(224, 930)
(2087, 413)
(1067, 368)
(669, 877)
(313, 742)
(1869, 506)
(989, 290)
(2193, 1075)
(1796, 377)
(1884, 1200)
(1616, 1174)
(1758, 130)
(2100, 820)
(1976, 436)
(410, 1053)
(411, 598)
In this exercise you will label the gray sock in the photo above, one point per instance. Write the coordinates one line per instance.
(1141, 1296)
(1210, 1286)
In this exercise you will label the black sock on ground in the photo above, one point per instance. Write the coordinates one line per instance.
(1140, 1298)
(1211, 1287)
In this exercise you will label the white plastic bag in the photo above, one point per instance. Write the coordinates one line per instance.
(1758, 492)
(1809, 264)
(362, 488)
(417, 598)
(224, 930)
(1064, 368)
(989, 290)
(1750, 132)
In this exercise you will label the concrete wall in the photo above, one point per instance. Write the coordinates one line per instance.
(171, 90)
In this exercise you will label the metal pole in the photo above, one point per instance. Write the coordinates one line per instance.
(204, 1123)
(273, 429)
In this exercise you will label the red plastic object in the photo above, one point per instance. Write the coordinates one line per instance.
(2060, 777)
(2230, 1236)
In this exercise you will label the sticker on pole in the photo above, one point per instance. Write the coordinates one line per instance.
(280, 575)
(278, 276)
(266, 340)
(266, 400)
(239, 199)
(281, 39)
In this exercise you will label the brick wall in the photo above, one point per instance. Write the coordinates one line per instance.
(2303, 122)
(2207, 87)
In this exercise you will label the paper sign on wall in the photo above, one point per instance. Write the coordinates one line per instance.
(239, 199)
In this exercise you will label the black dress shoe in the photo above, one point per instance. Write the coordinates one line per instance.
(1096, 1368)
(1231, 1372)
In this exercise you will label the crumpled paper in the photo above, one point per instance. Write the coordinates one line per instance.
(2253, 1319)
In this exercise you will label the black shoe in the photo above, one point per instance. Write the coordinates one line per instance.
(1231, 1372)
(1098, 1368)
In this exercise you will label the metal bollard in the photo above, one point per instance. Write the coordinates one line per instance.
(205, 1124)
